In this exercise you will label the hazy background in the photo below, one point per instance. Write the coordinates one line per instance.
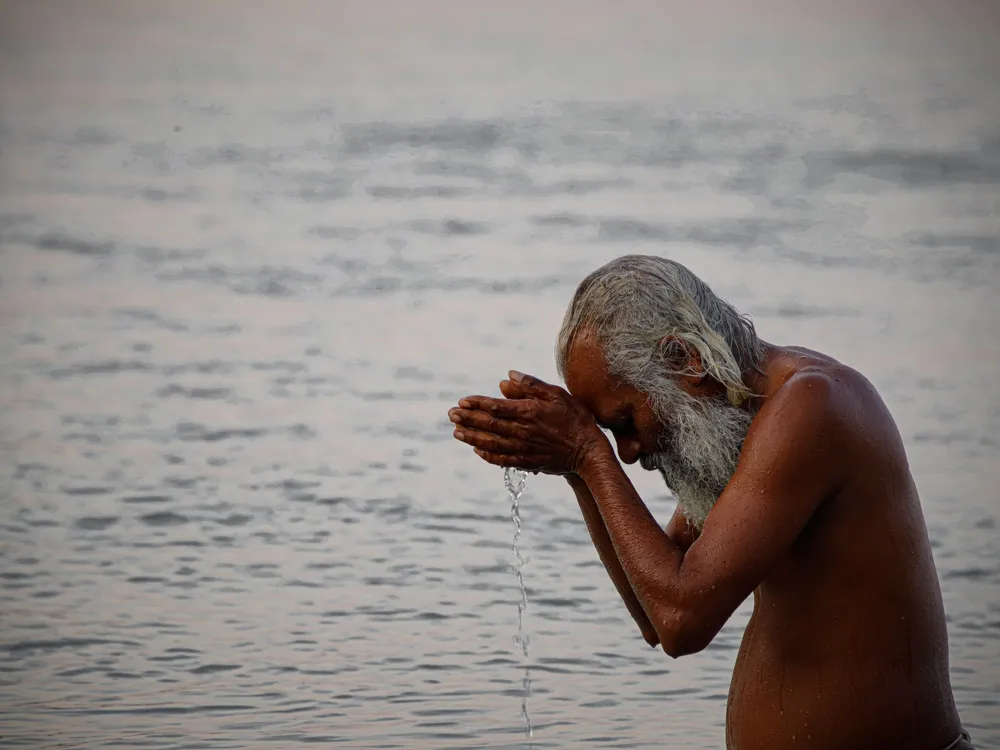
(250, 253)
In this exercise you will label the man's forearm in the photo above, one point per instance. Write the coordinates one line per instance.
(649, 559)
(606, 551)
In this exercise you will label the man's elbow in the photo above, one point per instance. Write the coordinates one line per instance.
(682, 633)
(650, 637)
(683, 646)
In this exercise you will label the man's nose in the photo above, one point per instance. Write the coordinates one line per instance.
(629, 449)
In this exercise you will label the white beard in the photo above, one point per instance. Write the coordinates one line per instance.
(700, 450)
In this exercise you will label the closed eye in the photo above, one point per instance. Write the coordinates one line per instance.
(619, 425)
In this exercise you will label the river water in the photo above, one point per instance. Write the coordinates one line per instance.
(251, 255)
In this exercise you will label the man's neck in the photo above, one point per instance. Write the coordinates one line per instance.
(762, 382)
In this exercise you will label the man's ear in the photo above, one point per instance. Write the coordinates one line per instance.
(683, 359)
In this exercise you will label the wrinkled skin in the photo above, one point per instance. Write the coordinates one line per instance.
(847, 646)
(539, 428)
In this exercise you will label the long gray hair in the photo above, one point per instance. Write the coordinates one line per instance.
(646, 311)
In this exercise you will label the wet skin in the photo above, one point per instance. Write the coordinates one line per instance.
(847, 646)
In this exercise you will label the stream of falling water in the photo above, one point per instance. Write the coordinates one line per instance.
(513, 480)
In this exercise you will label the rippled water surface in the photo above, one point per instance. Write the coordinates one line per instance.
(250, 258)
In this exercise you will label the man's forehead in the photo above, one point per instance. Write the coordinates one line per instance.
(587, 375)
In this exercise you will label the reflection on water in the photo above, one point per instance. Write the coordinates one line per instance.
(247, 263)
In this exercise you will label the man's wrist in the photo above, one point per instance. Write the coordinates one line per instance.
(596, 453)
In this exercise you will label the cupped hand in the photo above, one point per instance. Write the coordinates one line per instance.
(538, 427)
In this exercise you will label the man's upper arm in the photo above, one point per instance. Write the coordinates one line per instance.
(788, 467)
(680, 530)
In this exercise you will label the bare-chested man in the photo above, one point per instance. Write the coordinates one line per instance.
(792, 483)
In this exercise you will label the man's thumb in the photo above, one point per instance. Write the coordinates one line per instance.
(532, 385)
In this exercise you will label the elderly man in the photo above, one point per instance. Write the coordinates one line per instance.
(792, 483)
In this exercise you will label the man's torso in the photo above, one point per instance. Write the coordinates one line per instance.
(847, 646)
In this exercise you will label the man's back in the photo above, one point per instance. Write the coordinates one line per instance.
(847, 646)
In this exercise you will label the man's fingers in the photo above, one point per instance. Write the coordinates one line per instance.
(498, 407)
(490, 443)
(533, 386)
(510, 389)
(480, 420)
